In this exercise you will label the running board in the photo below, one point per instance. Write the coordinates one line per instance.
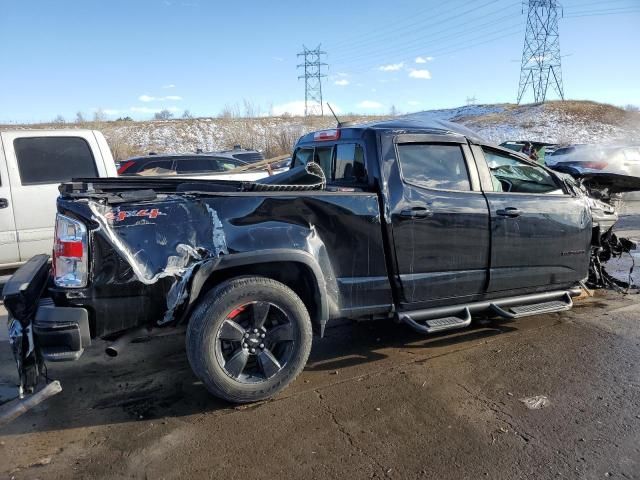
(438, 319)
(518, 311)
(434, 325)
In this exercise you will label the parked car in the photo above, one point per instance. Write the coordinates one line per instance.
(32, 165)
(200, 165)
(542, 148)
(420, 224)
(585, 158)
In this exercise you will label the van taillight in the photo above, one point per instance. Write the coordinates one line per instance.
(70, 262)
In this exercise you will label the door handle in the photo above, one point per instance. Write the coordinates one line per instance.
(509, 212)
(4, 203)
(416, 212)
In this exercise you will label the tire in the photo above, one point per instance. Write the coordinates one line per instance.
(221, 336)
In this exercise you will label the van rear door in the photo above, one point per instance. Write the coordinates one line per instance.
(37, 164)
(9, 253)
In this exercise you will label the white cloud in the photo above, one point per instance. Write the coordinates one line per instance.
(277, 59)
(149, 98)
(170, 85)
(423, 59)
(422, 74)
(110, 111)
(342, 82)
(342, 74)
(413, 103)
(369, 104)
(392, 67)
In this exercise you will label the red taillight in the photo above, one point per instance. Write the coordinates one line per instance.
(325, 135)
(126, 165)
(70, 255)
(69, 249)
(595, 165)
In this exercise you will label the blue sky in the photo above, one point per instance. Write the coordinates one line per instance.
(136, 57)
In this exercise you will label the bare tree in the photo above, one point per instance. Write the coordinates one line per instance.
(632, 108)
(393, 111)
(187, 114)
(59, 120)
(163, 115)
(251, 110)
(99, 116)
(230, 111)
(80, 117)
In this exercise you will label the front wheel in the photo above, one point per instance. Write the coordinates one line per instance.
(248, 339)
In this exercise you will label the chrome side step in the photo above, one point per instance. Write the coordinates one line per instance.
(518, 311)
(434, 325)
(438, 319)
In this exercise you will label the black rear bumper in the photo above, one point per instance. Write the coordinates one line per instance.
(38, 329)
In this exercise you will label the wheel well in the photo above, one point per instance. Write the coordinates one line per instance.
(295, 275)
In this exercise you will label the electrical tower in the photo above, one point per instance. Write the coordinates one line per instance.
(541, 54)
(312, 80)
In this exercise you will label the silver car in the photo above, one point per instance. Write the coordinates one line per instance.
(585, 158)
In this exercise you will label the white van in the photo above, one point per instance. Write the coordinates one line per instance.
(32, 165)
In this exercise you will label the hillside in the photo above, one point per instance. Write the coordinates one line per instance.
(557, 122)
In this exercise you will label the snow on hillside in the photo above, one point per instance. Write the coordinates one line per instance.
(556, 122)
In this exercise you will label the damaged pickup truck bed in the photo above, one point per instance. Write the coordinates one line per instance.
(421, 224)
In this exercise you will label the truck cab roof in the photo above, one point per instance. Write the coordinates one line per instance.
(401, 125)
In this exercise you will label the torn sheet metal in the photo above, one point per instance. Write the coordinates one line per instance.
(170, 238)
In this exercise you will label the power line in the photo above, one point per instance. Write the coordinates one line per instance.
(404, 32)
(424, 44)
(312, 80)
(541, 53)
(451, 48)
(375, 32)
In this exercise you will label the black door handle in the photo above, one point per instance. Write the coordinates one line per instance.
(415, 212)
(509, 212)
(4, 203)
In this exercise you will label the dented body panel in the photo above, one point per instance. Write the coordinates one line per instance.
(142, 264)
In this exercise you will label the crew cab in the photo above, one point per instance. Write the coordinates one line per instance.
(32, 165)
(421, 224)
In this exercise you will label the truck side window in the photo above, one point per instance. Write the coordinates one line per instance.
(434, 166)
(323, 156)
(53, 159)
(349, 167)
(302, 156)
(509, 174)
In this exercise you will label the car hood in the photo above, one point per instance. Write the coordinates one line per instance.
(613, 182)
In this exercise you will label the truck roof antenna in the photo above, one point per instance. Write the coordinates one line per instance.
(334, 115)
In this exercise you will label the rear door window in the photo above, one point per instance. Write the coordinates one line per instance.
(161, 166)
(349, 165)
(434, 166)
(195, 165)
(53, 159)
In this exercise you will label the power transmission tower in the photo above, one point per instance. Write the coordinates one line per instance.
(312, 80)
(541, 54)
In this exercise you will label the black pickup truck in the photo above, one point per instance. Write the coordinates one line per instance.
(420, 224)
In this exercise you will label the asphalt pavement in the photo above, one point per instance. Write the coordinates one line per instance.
(375, 401)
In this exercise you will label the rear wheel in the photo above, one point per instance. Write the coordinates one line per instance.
(248, 339)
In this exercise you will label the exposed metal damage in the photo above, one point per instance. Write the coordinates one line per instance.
(185, 218)
(604, 194)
